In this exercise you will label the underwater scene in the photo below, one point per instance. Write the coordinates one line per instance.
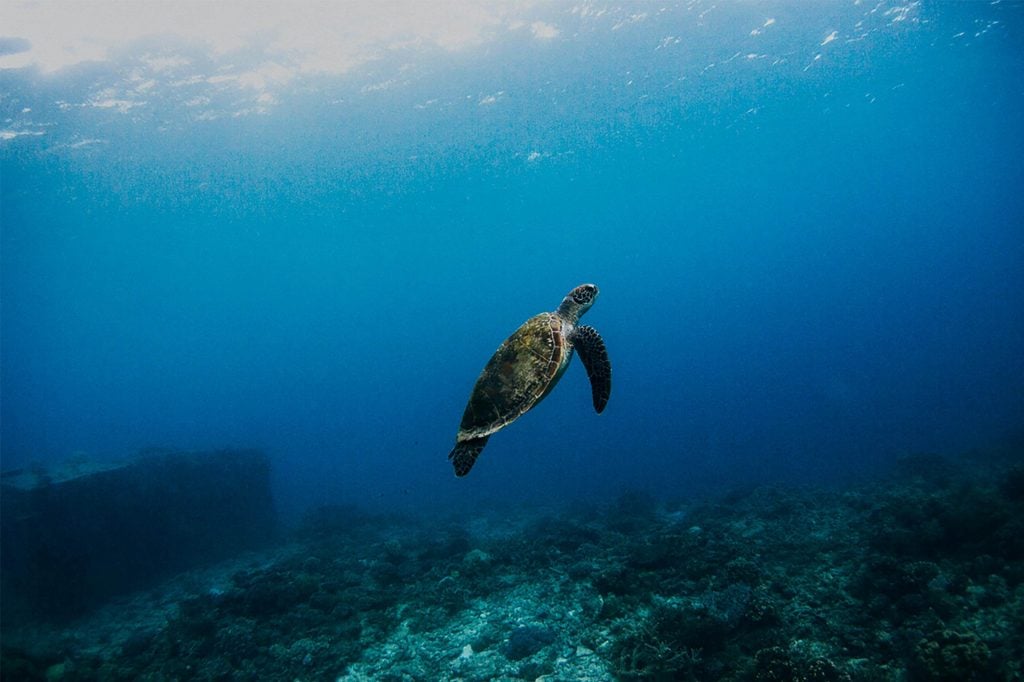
(512, 340)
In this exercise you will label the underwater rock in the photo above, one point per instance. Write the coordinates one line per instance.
(72, 542)
(476, 563)
(947, 656)
(776, 664)
(527, 640)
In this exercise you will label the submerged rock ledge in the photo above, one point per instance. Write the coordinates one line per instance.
(77, 534)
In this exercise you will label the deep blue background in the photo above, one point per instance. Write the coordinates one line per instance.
(804, 271)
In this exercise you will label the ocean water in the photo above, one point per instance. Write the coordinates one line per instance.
(305, 231)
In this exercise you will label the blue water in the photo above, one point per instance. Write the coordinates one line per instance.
(810, 250)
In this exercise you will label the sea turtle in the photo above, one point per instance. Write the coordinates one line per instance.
(526, 367)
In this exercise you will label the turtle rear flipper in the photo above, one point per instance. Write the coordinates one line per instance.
(590, 346)
(463, 455)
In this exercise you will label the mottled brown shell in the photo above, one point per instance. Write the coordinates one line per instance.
(522, 371)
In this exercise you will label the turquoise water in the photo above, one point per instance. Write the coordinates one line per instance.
(806, 222)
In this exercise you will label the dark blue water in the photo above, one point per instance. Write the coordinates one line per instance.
(810, 251)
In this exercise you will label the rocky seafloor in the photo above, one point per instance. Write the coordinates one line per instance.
(917, 575)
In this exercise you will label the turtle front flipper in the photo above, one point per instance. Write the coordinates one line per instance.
(590, 346)
(464, 454)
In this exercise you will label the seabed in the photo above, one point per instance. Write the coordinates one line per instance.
(918, 575)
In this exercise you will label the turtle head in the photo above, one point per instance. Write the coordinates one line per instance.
(577, 302)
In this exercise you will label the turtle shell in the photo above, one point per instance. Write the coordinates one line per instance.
(522, 371)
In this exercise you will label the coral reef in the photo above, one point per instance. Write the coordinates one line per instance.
(917, 577)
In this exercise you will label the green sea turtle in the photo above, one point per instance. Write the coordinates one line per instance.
(526, 367)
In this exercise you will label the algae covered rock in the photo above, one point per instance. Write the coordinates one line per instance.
(776, 664)
(526, 640)
(949, 656)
